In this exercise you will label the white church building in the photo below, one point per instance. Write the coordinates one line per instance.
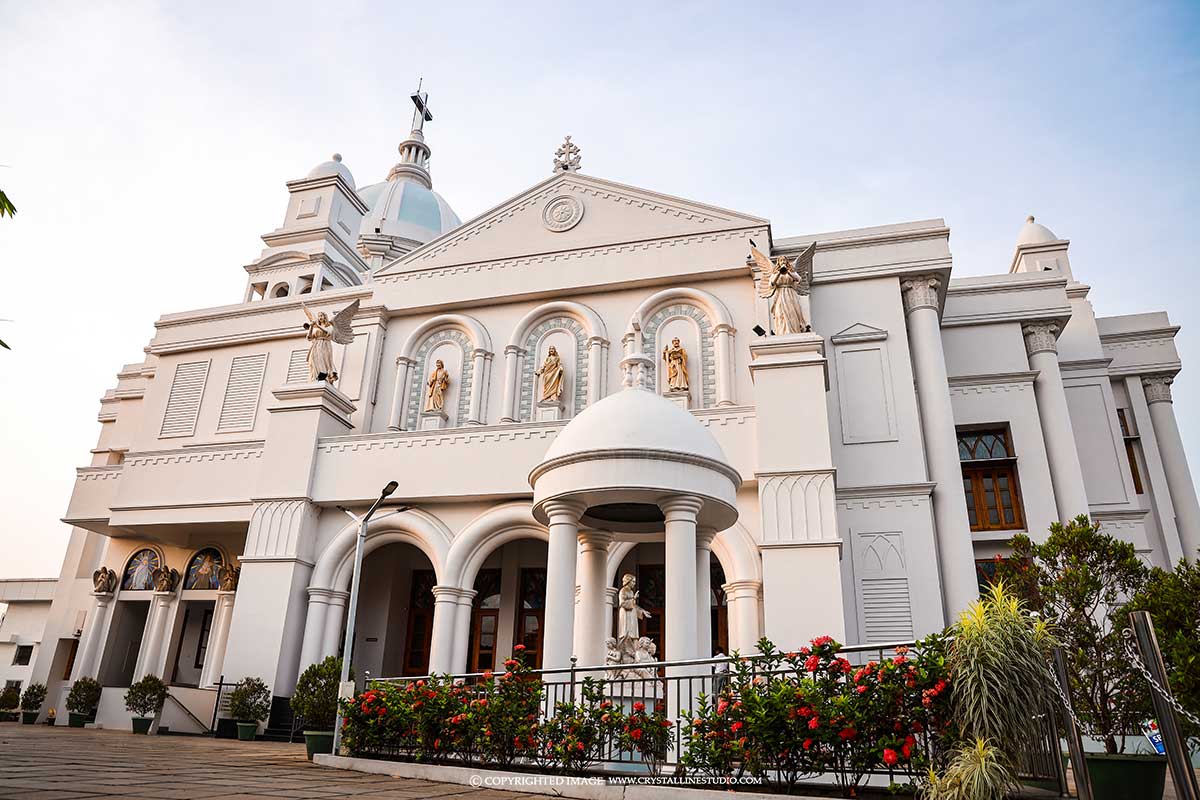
(855, 480)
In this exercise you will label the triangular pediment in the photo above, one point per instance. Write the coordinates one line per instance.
(859, 332)
(571, 212)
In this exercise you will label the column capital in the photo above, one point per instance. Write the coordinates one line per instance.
(1040, 337)
(723, 327)
(405, 361)
(103, 598)
(514, 350)
(594, 540)
(920, 291)
(450, 594)
(328, 595)
(704, 538)
(597, 340)
(611, 595)
(564, 510)
(681, 507)
(744, 589)
(1158, 388)
(479, 352)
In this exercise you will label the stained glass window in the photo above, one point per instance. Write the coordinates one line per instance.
(139, 572)
(989, 473)
(203, 569)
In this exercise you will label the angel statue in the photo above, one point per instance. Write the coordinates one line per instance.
(552, 376)
(786, 286)
(677, 371)
(322, 332)
(631, 613)
(104, 581)
(436, 386)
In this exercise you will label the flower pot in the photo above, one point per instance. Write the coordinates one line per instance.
(142, 724)
(28, 717)
(1120, 776)
(318, 742)
(76, 720)
(247, 731)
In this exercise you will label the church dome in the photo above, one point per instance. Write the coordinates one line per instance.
(1034, 233)
(626, 455)
(332, 167)
(406, 209)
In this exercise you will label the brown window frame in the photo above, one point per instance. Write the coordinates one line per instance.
(1132, 440)
(977, 471)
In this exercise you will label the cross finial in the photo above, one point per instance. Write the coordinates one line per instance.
(421, 114)
(566, 157)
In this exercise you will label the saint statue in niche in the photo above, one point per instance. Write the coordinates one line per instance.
(786, 285)
(321, 333)
(677, 371)
(553, 377)
(435, 388)
(631, 613)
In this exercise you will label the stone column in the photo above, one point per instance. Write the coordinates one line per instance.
(956, 554)
(332, 633)
(723, 347)
(404, 366)
(462, 629)
(704, 538)
(512, 382)
(593, 600)
(1066, 473)
(477, 413)
(1175, 465)
(445, 615)
(597, 374)
(149, 659)
(742, 597)
(611, 601)
(88, 662)
(680, 622)
(218, 638)
(560, 582)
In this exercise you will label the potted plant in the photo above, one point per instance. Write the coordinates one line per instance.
(1077, 580)
(249, 702)
(31, 702)
(82, 701)
(315, 700)
(144, 700)
(10, 698)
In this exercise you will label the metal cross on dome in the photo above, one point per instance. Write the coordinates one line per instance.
(566, 157)
(421, 114)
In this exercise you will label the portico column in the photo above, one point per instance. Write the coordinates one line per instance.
(156, 631)
(723, 341)
(1175, 465)
(680, 513)
(87, 663)
(704, 538)
(593, 600)
(560, 582)
(512, 382)
(218, 638)
(404, 366)
(742, 597)
(1066, 474)
(611, 602)
(462, 629)
(956, 555)
(445, 615)
(335, 614)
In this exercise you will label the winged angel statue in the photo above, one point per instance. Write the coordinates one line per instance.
(786, 284)
(322, 333)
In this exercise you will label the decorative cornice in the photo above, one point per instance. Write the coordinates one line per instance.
(920, 291)
(1147, 335)
(314, 301)
(217, 452)
(993, 378)
(1040, 337)
(638, 454)
(916, 489)
(1158, 388)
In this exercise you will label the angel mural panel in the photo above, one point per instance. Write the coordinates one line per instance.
(322, 332)
(786, 285)
(203, 571)
(139, 572)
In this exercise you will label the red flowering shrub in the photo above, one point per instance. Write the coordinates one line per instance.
(648, 735)
(576, 736)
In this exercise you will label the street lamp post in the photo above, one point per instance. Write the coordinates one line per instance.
(352, 613)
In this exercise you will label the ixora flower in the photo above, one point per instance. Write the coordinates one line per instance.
(890, 757)
(519, 648)
(639, 706)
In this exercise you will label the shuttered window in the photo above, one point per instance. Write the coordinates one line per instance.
(887, 612)
(242, 392)
(298, 367)
(183, 404)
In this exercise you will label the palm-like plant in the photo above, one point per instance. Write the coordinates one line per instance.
(978, 771)
(6, 206)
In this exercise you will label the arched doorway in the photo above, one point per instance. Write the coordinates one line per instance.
(395, 612)
(509, 605)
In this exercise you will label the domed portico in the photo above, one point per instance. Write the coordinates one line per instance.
(633, 464)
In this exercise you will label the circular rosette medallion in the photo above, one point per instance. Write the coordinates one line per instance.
(562, 213)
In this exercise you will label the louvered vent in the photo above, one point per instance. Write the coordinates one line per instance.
(241, 393)
(183, 405)
(887, 613)
(298, 367)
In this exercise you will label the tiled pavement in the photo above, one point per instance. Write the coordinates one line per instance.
(38, 761)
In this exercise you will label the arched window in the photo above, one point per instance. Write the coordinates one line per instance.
(202, 570)
(139, 570)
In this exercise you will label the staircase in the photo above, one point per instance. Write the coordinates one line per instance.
(282, 724)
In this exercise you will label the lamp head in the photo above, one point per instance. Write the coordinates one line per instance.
(389, 489)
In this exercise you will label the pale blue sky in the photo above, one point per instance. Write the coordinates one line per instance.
(146, 146)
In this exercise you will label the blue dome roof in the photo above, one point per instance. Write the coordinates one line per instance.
(406, 209)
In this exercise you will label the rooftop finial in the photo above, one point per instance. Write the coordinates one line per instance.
(566, 157)
(414, 153)
(1029, 218)
(421, 114)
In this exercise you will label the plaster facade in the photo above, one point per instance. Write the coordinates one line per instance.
(814, 484)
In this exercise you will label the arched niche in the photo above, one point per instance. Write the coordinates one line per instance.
(705, 329)
(466, 350)
(566, 335)
(137, 574)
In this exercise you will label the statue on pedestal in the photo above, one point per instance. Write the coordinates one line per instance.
(321, 333)
(227, 577)
(786, 285)
(104, 581)
(629, 646)
(553, 377)
(435, 388)
(165, 579)
(677, 371)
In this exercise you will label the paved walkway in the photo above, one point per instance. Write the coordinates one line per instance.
(38, 761)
